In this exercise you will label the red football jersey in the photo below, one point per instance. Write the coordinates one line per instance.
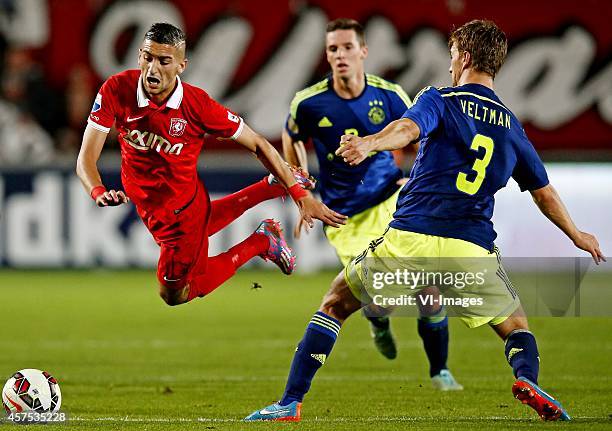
(160, 145)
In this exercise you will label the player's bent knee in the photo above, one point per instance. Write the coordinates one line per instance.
(172, 297)
(172, 291)
(340, 302)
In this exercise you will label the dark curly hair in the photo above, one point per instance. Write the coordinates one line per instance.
(485, 42)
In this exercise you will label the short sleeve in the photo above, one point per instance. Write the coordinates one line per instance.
(103, 111)
(400, 102)
(427, 111)
(529, 171)
(295, 122)
(220, 121)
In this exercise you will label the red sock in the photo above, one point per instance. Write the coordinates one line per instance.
(227, 209)
(223, 266)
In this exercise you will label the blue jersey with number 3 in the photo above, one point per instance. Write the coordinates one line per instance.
(471, 144)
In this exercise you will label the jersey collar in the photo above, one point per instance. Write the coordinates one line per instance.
(330, 85)
(173, 102)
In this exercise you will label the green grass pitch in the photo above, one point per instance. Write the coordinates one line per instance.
(125, 360)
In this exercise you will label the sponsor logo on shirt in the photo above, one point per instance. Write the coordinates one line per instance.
(177, 126)
(147, 141)
(130, 119)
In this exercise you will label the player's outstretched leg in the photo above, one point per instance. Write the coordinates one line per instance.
(208, 273)
(312, 352)
(267, 242)
(522, 354)
(227, 209)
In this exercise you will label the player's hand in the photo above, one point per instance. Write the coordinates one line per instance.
(402, 181)
(354, 149)
(587, 242)
(112, 198)
(311, 208)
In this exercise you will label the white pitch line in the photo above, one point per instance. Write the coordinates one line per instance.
(317, 419)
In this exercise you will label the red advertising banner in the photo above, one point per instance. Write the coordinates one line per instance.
(254, 55)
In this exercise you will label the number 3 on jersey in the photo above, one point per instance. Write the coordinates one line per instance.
(480, 165)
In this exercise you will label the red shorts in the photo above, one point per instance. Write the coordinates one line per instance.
(183, 238)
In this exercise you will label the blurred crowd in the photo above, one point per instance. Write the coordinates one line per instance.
(37, 123)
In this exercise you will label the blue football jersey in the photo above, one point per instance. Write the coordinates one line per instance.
(320, 114)
(471, 144)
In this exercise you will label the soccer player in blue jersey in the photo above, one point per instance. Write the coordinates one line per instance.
(351, 102)
(471, 144)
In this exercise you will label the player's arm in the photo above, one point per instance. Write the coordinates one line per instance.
(294, 151)
(419, 121)
(309, 207)
(87, 170)
(295, 154)
(397, 134)
(548, 201)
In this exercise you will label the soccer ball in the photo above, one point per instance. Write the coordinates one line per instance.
(31, 390)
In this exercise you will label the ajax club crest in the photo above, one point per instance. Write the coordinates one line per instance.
(177, 126)
(376, 113)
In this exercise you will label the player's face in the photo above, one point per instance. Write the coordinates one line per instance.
(159, 66)
(344, 53)
(458, 63)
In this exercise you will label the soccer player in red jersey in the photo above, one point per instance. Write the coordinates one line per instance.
(162, 122)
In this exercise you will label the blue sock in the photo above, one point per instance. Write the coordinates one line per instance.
(310, 355)
(522, 354)
(434, 333)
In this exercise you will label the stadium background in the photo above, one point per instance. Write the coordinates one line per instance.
(253, 56)
(557, 79)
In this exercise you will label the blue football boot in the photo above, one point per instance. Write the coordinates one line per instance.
(276, 412)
